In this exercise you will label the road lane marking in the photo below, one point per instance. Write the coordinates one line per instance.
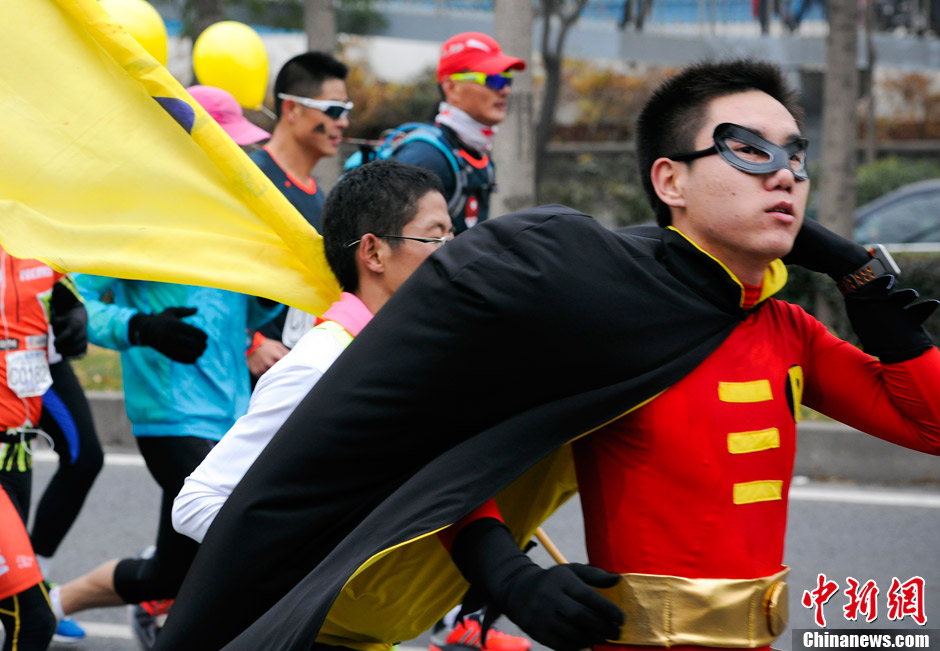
(802, 492)
(867, 496)
(110, 458)
(123, 632)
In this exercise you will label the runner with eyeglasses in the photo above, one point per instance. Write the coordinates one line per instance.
(475, 80)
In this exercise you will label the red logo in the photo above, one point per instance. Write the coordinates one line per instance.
(903, 599)
(818, 597)
(472, 213)
(907, 599)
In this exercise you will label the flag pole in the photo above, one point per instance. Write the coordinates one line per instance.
(550, 547)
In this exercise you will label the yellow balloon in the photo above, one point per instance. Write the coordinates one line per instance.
(143, 22)
(231, 56)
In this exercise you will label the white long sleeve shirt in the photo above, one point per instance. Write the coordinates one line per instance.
(275, 397)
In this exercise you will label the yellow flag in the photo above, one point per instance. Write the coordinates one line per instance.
(109, 167)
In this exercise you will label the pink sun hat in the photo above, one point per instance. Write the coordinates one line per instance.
(225, 110)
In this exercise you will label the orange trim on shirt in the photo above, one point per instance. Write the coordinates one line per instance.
(478, 163)
(310, 187)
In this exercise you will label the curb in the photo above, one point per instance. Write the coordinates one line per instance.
(825, 450)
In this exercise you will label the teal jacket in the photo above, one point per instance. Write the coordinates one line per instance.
(163, 397)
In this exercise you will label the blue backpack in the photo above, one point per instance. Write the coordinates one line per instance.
(423, 132)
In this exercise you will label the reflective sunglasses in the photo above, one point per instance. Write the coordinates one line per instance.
(440, 241)
(493, 82)
(333, 109)
(747, 151)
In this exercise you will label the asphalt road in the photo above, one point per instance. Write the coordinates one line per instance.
(839, 530)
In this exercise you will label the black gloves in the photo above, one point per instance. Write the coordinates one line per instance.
(69, 320)
(557, 607)
(818, 249)
(167, 334)
(889, 321)
(71, 331)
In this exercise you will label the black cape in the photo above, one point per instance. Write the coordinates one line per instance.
(521, 335)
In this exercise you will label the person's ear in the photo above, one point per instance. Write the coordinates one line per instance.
(288, 107)
(447, 87)
(370, 253)
(668, 178)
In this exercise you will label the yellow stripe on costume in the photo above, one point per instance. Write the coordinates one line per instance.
(744, 442)
(756, 391)
(758, 491)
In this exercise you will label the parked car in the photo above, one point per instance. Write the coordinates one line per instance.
(907, 219)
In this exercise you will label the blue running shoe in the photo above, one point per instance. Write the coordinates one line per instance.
(68, 631)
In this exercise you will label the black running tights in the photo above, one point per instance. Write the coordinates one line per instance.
(170, 460)
(67, 419)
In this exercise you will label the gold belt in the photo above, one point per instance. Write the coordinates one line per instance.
(668, 611)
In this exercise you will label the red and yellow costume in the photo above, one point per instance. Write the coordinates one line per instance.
(530, 332)
(694, 483)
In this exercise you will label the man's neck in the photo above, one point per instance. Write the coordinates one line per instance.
(290, 155)
(372, 295)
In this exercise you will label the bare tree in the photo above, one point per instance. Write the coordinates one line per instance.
(839, 125)
(839, 129)
(557, 18)
(320, 24)
(320, 27)
(869, 76)
(205, 13)
(515, 149)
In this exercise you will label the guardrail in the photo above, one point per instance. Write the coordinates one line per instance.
(824, 450)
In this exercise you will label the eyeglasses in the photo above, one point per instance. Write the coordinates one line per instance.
(333, 109)
(493, 82)
(440, 241)
(749, 152)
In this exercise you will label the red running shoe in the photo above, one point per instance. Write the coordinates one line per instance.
(147, 619)
(468, 634)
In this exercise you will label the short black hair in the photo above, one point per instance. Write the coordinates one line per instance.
(304, 75)
(676, 112)
(380, 197)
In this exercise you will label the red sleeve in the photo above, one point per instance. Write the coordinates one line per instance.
(899, 402)
(486, 510)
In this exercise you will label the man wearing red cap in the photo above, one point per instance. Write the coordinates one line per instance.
(475, 79)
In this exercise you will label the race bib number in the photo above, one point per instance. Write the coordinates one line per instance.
(28, 373)
(296, 325)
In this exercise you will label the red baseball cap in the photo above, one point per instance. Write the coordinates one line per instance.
(474, 52)
(225, 110)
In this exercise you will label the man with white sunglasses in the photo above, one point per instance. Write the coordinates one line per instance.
(312, 108)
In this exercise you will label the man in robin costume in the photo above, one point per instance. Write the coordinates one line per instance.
(658, 352)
